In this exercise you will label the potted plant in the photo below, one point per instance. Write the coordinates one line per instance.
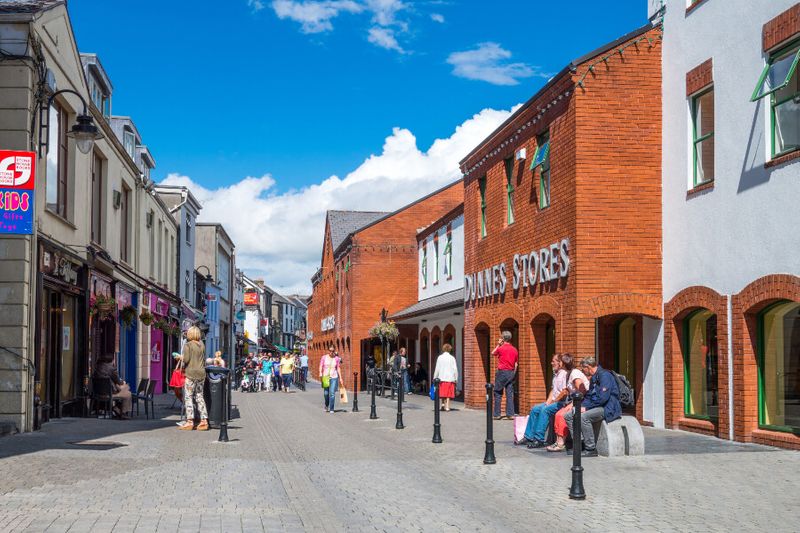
(127, 314)
(385, 330)
(146, 317)
(102, 306)
(160, 323)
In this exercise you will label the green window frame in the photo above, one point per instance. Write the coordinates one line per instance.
(424, 264)
(702, 139)
(698, 318)
(436, 261)
(448, 256)
(779, 81)
(482, 187)
(765, 375)
(542, 158)
(509, 164)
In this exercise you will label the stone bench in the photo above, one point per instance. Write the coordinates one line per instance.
(623, 436)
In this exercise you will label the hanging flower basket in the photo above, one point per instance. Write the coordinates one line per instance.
(385, 330)
(103, 307)
(128, 315)
(146, 317)
(160, 324)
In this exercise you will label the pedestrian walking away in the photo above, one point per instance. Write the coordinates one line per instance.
(507, 363)
(287, 367)
(446, 372)
(304, 367)
(329, 376)
(193, 358)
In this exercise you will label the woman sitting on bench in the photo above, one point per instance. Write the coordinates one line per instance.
(106, 369)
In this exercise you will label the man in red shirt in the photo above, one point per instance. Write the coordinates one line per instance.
(507, 363)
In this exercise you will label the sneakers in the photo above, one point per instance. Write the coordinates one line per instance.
(536, 444)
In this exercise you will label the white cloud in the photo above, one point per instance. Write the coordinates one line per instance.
(314, 16)
(384, 37)
(279, 235)
(437, 17)
(487, 62)
(384, 12)
(257, 5)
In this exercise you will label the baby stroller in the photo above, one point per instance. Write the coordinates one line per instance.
(259, 382)
(249, 382)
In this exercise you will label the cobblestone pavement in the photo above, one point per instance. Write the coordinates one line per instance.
(293, 467)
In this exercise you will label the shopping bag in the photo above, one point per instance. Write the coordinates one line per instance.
(326, 382)
(178, 378)
(520, 423)
(342, 394)
(432, 394)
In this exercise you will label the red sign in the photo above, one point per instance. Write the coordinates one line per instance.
(251, 298)
(17, 185)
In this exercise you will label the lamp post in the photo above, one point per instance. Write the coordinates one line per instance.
(399, 424)
(83, 131)
(355, 392)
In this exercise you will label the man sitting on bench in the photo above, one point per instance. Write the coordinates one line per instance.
(601, 403)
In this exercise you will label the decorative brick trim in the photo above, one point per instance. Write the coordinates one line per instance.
(776, 438)
(683, 303)
(785, 158)
(709, 185)
(700, 77)
(746, 306)
(630, 303)
(695, 6)
(782, 28)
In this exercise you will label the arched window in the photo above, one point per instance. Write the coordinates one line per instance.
(779, 366)
(700, 364)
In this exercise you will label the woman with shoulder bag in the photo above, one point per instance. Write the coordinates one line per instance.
(193, 359)
(329, 376)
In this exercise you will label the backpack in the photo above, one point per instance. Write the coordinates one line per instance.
(626, 397)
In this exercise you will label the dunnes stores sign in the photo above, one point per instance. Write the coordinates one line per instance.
(539, 266)
(328, 323)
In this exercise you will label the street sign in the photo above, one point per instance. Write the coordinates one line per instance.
(17, 186)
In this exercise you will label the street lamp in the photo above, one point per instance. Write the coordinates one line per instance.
(208, 277)
(84, 131)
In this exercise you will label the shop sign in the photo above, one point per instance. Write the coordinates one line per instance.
(251, 298)
(538, 266)
(158, 306)
(328, 323)
(17, 186)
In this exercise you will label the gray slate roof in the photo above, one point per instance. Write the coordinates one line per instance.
(27, 6)
(343, 223)
(448, 300)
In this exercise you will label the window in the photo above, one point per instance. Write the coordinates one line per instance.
(700, 365)
(97, 198)
(448, 256)
(542, 158)
(160, 246)
(703, 136)
(188, 229)
(125, 231)
(779, 367)
(424, 264)
(482, 187)
(57, 152)
(152, 229)
(779, 81)
(509, 164)
(436, 260)
(129, 142)
(187, 288)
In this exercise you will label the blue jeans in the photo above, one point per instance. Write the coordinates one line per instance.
(330, 394)
(539, 419)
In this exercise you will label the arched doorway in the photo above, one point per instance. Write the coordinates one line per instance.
(425, 352)
(779, 367)
(619, 348)
(512, 326)
(449, 337)
(483, 338)
(625, 348)
(543, 329)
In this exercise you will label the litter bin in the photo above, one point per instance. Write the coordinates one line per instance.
(217, 384)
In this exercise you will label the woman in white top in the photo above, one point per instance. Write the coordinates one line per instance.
(576, 382)
(447, 372)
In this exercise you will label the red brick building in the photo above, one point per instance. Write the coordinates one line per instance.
(369, 263)
(562, 209)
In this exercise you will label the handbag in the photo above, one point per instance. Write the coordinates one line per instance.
(520, 424)
(432, 394)
(326, 382)
(342, 394)
(178, 377)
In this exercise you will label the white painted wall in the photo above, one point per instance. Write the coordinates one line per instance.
(746, 227)
(446, 283)
(653, 387)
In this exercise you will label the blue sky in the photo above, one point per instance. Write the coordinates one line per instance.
(275, 111)
(223, 90)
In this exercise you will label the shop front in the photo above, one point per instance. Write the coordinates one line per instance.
(103, 328)
(61, 363)
(128, 322)
(159, 365)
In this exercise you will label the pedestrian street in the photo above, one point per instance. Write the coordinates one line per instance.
(290, 466)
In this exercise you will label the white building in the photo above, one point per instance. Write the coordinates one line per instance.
(731, 163)
(438, 314)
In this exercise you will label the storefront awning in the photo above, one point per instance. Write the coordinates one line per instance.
(449, 300)
(281, 348)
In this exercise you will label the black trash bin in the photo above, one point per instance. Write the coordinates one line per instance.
(216, 385)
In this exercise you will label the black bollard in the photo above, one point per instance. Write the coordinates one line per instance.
(437, 427)
(373, 414)
(355, 392)
(393, 384)
(399, 424)
(488, 457)
(576, 491)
